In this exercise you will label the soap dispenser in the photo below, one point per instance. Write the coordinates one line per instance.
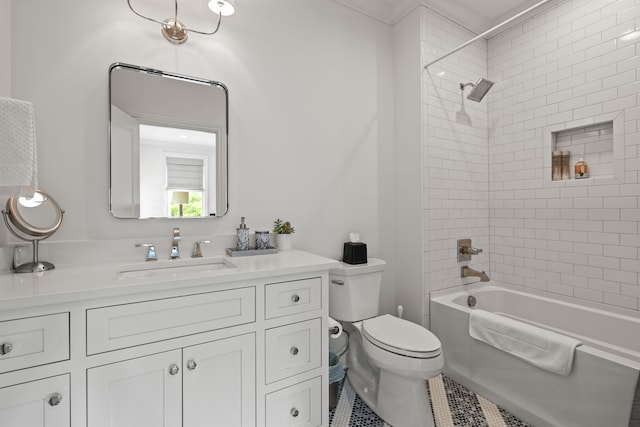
(581, 169)
(243, 236)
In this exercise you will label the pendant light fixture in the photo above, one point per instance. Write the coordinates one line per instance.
(177, 32)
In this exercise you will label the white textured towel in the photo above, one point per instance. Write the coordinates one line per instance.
(18, 161)
(540, 347)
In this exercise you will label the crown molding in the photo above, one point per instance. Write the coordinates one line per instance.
(386, 11)
(392, 11)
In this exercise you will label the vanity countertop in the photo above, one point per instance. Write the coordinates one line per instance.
(68, 283)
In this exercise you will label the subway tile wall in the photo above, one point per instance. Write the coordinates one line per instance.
(456, 164)
(572, 64)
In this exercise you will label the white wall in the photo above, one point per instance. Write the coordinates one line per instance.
(5, 47)
(408, 167)
(566, 67)
(311, 114)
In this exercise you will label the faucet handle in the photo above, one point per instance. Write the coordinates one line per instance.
(470, 251)
(197, 252)
(465, 250)
(151, 253)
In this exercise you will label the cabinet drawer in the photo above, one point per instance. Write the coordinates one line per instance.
(127, 325)
(33, 341)
(41, 403)
(297, 296)
(292, 349)
(299, 405)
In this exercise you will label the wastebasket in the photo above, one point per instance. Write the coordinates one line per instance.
(336, 374)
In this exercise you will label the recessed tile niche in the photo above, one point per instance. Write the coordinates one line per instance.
(601, 144)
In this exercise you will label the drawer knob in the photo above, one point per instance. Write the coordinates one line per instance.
(295, 298)
(55, 399)
(174, 369)
(294, 350)
(6, 348)
(294, 412)
(191, 365)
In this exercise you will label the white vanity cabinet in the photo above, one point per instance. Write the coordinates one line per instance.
(197, 384)
(212, 380)
(247, 347)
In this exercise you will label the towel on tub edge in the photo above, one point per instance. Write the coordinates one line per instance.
(542, 348)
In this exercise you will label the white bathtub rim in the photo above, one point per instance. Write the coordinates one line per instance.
(461, 290)
(623, 356)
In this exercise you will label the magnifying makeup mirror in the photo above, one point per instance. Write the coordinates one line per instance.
(37, 217)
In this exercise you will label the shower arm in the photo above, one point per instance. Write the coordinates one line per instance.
(489, 31)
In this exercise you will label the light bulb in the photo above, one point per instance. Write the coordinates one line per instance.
(222, 7)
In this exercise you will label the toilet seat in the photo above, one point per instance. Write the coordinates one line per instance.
(401, 337)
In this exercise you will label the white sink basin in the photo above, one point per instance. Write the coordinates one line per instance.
(173, 268)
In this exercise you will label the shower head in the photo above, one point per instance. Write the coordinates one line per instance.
(480, 89)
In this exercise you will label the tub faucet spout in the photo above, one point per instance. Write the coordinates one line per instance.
(467, 271)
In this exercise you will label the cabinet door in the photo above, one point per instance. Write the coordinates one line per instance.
(142, 392)
(219, 383)
(42, 403)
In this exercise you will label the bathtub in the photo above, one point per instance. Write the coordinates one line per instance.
(599, 392)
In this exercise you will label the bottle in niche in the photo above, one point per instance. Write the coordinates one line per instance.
(556, 166)
(243, 236)
(566, 158)
(581, 169)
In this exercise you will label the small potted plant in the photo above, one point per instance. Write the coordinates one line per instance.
(283, 230)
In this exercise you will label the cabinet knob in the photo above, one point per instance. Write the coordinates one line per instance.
(294, 350)
(294, 412)
(55, 399)
(6, 348)
(174, 369)
(191, 365)
(295, 297)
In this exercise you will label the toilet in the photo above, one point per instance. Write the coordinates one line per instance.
(389, 359)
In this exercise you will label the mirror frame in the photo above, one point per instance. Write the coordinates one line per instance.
(222, 191)
(13, 211)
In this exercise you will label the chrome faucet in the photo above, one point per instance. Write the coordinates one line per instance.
(466, 271)
(175, 244)
(151, 251)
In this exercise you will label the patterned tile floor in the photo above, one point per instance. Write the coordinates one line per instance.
(452, 404)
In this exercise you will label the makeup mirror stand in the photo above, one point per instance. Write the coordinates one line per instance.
(35, 266)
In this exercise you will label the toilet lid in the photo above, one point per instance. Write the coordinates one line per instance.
(401, 336)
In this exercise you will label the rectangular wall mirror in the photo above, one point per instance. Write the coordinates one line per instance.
(168, 144)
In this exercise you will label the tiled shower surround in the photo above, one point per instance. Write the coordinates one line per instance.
(573, 64)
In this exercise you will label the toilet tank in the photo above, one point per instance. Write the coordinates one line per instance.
(354, 290)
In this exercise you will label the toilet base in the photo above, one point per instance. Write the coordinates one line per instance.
(404, 403)
(399, 400)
